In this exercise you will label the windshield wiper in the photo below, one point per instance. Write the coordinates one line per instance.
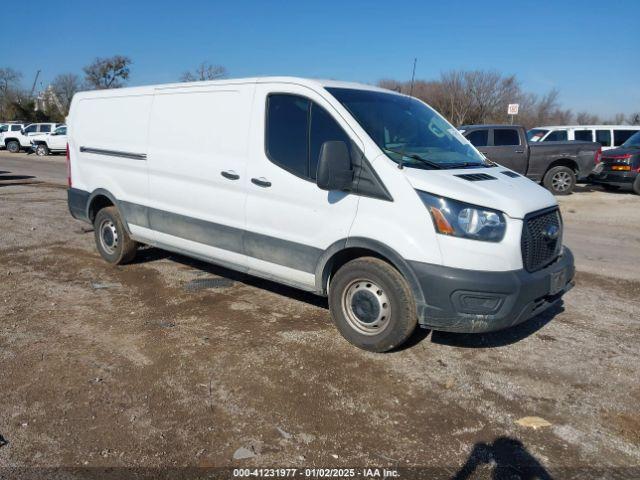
(467, 164)
(413, 156)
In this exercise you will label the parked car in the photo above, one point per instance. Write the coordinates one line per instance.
(609, 136)
(350, 191)
(10, 130)
(620, 167)
(556, 165)
(15, 141)
(45, 143)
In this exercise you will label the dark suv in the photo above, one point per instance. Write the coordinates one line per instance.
(620, 167)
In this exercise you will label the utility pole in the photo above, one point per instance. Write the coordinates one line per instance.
(413, 76)
(35, 80)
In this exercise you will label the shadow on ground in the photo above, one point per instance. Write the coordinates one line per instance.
(506, 458)
(464, 340)
(153, 254)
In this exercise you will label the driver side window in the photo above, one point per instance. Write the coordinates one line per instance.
(295, 130)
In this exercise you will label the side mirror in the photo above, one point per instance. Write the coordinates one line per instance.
(334, 166)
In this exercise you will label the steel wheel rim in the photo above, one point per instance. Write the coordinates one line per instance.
(366, 307)
(12, 147)
(108, 236)
(40, 151)
(561, 181)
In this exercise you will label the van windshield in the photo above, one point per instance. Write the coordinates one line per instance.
(536, 134)
(634, 141)
(407, 130)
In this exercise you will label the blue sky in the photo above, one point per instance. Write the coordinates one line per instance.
(589, 50)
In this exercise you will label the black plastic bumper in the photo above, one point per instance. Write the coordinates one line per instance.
(78, 201)
(617, 179)
(458, 300)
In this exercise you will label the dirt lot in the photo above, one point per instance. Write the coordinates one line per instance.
(133, 366)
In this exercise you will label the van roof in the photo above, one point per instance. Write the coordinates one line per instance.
(488, 125)
(308, 82)
(557, 127)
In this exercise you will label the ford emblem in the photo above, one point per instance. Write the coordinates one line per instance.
(550, 233)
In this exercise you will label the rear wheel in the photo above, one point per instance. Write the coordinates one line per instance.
(13, 146)
(42, 150)
(112, 240)
(560, 180)
(636, 185)
(372, 305)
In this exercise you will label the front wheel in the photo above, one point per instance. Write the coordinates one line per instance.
(636, 185)
(560, 180)
(42, 150)
(13, 146)
(372, 305)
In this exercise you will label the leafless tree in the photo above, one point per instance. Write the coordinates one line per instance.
(618, 119)
(111, 72)
(65, 86)
(204, 71)
(634, 119)
(586, 118)
(9, 91)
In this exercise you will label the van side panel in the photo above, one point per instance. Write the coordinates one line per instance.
(198, 147)
(107, 139)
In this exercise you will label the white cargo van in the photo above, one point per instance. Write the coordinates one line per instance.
(608, 136)
(342, 189)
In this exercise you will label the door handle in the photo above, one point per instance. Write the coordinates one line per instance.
(230, 174)
(519, 151)
(261, 182)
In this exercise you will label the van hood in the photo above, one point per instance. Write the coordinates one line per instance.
(516, 196)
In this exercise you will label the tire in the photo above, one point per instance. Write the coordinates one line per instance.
(372, 305)
(636, 185)
(112, 240)
(560, 180)
(42, 150)
(13, 146)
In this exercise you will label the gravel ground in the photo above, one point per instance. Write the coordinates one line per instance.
(135, 366)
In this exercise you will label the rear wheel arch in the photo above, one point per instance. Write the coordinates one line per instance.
(564, 162)
(343, 251)
(9, 141)
(100, 199)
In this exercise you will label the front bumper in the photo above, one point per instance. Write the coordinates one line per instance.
(615, 178)
(458, 300)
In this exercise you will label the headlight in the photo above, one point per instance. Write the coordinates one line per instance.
(459, 219)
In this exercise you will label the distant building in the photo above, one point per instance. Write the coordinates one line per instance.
(47, 100)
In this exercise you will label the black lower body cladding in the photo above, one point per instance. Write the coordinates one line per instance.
(458, 300)
(78, 201)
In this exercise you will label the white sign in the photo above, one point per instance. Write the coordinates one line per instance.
(513, 108)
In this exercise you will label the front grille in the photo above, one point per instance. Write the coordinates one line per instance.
(541, 239)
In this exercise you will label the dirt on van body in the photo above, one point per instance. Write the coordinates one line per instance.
(140, 366)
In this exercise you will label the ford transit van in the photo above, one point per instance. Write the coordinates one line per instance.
(350, 191)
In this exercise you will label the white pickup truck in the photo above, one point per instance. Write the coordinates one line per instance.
(14, 141)
(8, 130)
(45, 143)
